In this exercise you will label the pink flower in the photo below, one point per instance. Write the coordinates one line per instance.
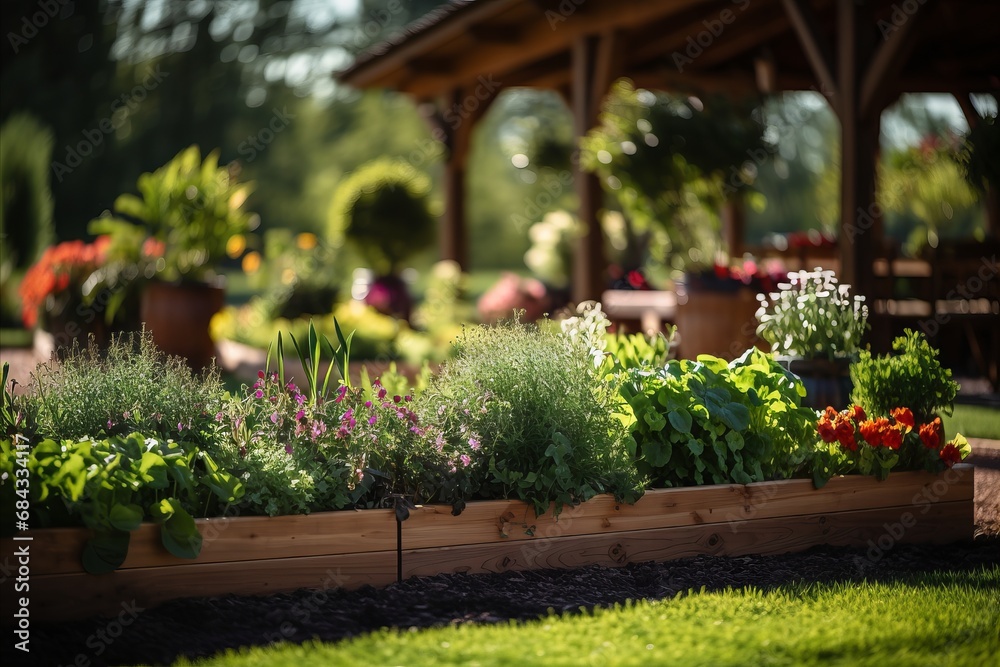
(368, 404)
(464, 458)
(218, 416)
(180, 426)
(258, 394)
(396, 398)
(260, 374)
(274, 417)
(372, 420)
(288, 449)
(300, 415)
(381, 393)
(475, 444)
(439, 442)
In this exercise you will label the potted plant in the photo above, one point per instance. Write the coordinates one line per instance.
(383, 211)
(190, 208)
(716, 308)
(59, 296)
(815, 328)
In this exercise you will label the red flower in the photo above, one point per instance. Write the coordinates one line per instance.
(826, 430)
(950, 454)
(930, 434)
(60, 266)
(858, 414)
(892, 438)
(903, 416)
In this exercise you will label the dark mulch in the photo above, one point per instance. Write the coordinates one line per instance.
(202, 627)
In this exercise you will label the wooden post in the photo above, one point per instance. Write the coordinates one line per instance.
(453, 123)
(734, 225)
(860, 216)
(593, 63)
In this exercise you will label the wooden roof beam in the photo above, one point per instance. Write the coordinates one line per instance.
(900, 34)
(817, 49)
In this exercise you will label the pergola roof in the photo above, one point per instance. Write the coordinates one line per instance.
(708, 44)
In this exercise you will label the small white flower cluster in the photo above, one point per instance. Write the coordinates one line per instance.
(813, 316)
(587, 329)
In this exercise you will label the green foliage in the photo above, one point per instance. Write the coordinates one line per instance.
(519, 413)
(912, 378)
(383, 210)
(923, 185)
(194, 207)
(25, 196)
(709, 422)
(311, 352)
(813, 317)
(132, 387)
(667, 160)
(638, 350)
(844, 624)
(111, 485)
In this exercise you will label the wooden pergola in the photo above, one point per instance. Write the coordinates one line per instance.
(860, 54)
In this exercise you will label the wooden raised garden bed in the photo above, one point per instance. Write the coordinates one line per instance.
(257, 555)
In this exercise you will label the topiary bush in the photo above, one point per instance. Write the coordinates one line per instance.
(383, 210)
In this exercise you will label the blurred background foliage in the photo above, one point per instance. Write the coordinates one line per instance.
(118, 87)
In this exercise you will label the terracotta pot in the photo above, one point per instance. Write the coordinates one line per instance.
(178, 316)
(723, 324)
(828, 383)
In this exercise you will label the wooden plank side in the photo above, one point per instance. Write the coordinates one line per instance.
(943, 522)
(796, 497)
(508, 520)
(63, 597)
(59, 550)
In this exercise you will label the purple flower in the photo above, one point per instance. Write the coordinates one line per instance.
(300, 415)
(381, 393)
(258, 394)
(180, 426)
(341, 393)
(348, 415)
(300, 399)
(372, 420)
(288, 449)
(368, 404)
(407, 398)
(396, 398)
(475, 444)
(110, 424)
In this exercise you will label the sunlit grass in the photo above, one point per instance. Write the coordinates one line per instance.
(974, 421)
(940, 619)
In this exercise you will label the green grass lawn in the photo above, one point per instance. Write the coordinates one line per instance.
(974, 421)
(939, 619)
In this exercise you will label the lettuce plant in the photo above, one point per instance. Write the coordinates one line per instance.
(709, 422)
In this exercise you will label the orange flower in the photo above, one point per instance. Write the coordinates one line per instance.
(858, 414)
(950, 454)
(930, 434)
(903, 416)
(871, 431)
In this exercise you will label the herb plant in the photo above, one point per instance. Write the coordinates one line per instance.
(519, 412)
(134, 387)
(709, 422)
(913, 378)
